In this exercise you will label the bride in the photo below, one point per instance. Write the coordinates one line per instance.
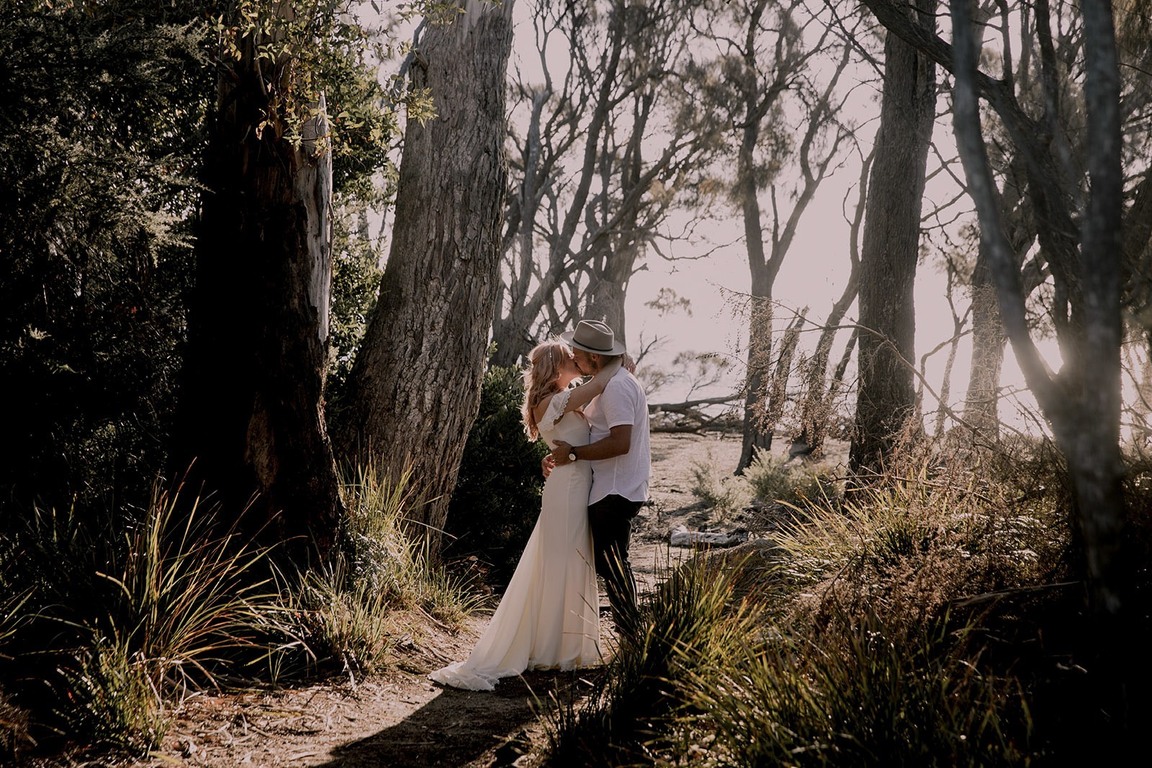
(549, 615)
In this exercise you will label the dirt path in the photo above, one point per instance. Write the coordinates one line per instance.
(399, 719)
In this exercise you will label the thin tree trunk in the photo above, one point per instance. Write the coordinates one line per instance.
(886, 401)
(982, 399)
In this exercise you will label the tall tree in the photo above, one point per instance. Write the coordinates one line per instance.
(252, 432)
(1083, 402)
(414, 388)
(612, 146)
(767, 82)
(886, 399)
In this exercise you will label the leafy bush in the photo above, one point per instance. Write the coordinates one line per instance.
(497, 496)
(778, 482)
(718, 492)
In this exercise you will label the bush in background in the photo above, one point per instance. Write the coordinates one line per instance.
(497, 496)
(935, 617)
(774, 481)
(718, 490)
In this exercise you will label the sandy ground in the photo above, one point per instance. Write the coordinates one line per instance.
(398, 718)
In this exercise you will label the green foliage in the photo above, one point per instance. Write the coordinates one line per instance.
(345, 622)
(98, 140)
(774, 481)
(690, 625)
(101, 146)
(316, 50)
(497, 496)
(355, 284)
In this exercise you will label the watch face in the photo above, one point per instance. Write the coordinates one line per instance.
(571, 455)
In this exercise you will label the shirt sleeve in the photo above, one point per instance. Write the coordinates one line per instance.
(618, 403)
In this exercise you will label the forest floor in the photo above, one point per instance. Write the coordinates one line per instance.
(398, 718)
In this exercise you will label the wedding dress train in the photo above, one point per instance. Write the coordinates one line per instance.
(549, 615)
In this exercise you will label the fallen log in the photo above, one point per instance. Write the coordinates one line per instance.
(690, 416)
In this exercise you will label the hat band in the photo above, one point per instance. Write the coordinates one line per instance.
(595, 349)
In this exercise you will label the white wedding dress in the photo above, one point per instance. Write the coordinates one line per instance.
(549, 615)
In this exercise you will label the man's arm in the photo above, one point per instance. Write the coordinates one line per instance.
(617, 442)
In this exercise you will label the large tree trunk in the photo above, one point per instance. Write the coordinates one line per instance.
(415, 386)
(252, 430)
(1082, 403)
(886, 400)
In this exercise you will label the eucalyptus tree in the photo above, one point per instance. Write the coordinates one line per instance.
(886, 397)
(1082, 402)
(414, 388)
(772, 72)
(1084, 231)
(1023, 58)
(293, 90)
(607, 141)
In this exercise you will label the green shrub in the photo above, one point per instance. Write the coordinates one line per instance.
(497, 496)
(863, 698)
(777, 482)
(719, 492)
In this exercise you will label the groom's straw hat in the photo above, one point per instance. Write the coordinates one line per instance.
(594, 336)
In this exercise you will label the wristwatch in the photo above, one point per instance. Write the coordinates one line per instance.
(572, 454)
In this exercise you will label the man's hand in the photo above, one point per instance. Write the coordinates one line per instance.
(559, 453)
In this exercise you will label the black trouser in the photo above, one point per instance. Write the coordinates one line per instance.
(611, 521)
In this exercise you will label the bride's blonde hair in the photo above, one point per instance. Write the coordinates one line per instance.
(540, 375)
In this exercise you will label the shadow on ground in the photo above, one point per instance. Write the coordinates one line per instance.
(467, 728)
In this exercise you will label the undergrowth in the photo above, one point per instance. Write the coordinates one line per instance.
(109, 621)
(934, 618)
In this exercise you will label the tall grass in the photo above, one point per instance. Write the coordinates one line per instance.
(387, 557)
(352, 611)
(863, 699)
(690, 624)
(121, 619)
(907, 623)
(119, 627)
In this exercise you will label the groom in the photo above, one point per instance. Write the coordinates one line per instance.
(621, 463)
